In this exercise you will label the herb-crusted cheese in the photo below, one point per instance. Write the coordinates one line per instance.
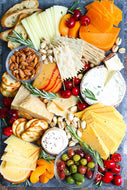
(54, 140)
(110, 94)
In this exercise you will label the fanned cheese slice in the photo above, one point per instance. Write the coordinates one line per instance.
(68, 63)
(25, 166)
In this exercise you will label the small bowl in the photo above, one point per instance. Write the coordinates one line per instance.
(87, 181)
(8, 65)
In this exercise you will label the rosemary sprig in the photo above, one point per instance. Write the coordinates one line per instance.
(89, 94)
(36, 92)
(45, 156)
(27, 183)
(20, 39)
(95, 153)
(73, 6)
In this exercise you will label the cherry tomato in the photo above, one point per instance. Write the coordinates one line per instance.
(109, 164)
(13, 113)
(80, 153)
(77, 14)
(77, 80)
(85, 20)
(7, 131)
(100, 169)
(87, 67)
(98, 177)
(62, 174)
(89, 173)
(71, 22)
(82, 169)
(75, 91)
(11, 120)
(108, 177)
(116, 157)
(68, 85)
(3, 112)
(117, 180)
(61, 165)
(65, 93)
(116, 169)
(71, 153)
(88, 158)
(81, 106)
(7, 101)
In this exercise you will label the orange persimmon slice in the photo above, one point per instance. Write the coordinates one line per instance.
(63, 29)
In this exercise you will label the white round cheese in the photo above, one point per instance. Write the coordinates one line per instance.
(54, 140)
(108, 94)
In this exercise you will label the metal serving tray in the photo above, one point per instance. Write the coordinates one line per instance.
(122, 4)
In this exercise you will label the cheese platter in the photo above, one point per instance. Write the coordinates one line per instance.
(65, 86)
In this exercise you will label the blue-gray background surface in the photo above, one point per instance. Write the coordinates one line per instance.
(122, 4)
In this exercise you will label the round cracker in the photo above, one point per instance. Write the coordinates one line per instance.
(38, 129)
(8, 88)
(30, 136)
(40, 123)
(15, 124)
(9, 81)
(7, 94)
(20, 128)
(24, 115)
(29, 123)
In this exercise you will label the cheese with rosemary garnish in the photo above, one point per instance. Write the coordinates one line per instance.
(110, 94)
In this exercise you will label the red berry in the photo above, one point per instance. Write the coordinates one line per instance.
(109, 164)
(77, 80)
(11, 120)
(84, 20)
(108, 177)
(116, 157)
(62, 174)
(117, 180)
(68, 85)
(61, 165)
(7, 101)
(88, 158)
(77, 14)
(3, 112)
(75, 91)
(98, 177)
(81, 106)
(13, 113)
(71, 22)
(87, 67)
(7, 131)
(116, 169)
(100, 169)
(65, 93)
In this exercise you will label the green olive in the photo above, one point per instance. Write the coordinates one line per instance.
(70, 162)
(67, 172)
(91, 165)
(65, 157)
(70, 180)
(73, 169)
(78, 183)
(76, 157)
(83, 161)
(77, 163)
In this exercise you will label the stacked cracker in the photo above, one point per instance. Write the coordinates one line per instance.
(12, 19)
(9, 86)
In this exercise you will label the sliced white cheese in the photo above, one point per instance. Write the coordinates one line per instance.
(54, 140)
(111, 94)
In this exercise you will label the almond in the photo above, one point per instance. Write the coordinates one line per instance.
(21, 74)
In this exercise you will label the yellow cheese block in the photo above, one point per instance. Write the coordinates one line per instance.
(24, 166)
(107, 138)
(65, 103)
(12, 174)
(53, 108)
(15, 144)
(18, 159)
(92, 138)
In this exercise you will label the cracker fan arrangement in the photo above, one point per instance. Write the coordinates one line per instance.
(62, 87)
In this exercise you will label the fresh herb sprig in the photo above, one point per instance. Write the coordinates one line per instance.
(45, 156)
(20, 39)
(36, 92)
(95, 153)
(27, 183)
(73, 7)
(89, 94)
